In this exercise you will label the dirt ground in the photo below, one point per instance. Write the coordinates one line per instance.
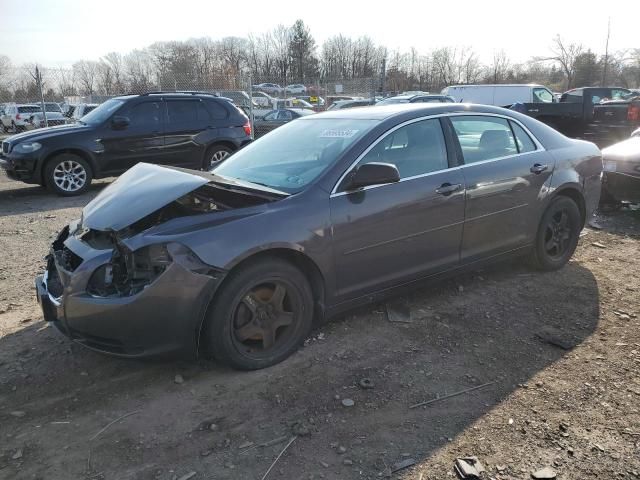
(562, 350)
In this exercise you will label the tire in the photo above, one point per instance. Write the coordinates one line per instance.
(215, 155)
(249, 325)
(67, 175)
(558, 234)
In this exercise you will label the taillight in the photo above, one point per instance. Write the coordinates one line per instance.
(247, 128)
(17, 116)
(633, 112)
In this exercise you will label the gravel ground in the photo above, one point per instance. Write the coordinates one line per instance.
(560, 351)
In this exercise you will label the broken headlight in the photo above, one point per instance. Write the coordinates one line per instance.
(128, 273)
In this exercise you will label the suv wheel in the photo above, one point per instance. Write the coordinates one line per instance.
(67, 175)
(215, 155)
(260, 316)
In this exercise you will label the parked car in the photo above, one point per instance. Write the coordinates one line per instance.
(604, 115)
(54, 117)
(349, 104)
(277, 118)
(296, 88)
(416, 99)
(263, 100)
(16, 117)
(329, 212)
(186, 130)
(621, 176)
(335, 98)
(503, 95)
(81, 110)
(316, 101)
(270, 88)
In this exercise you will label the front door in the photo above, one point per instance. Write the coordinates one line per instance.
(505, 171)
(141, 141)
(388, 234)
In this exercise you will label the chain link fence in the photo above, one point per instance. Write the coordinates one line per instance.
(42, 87)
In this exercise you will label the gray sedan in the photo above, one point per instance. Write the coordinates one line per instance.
(326, 213)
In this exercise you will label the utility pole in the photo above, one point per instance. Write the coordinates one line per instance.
(38, 79)
(606, 55)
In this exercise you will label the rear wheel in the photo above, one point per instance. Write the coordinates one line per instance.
(558, 234)
(262, 313)
(67, 174)
(215, 155)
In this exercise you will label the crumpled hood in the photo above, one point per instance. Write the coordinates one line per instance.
(44, 133)
(140, 191)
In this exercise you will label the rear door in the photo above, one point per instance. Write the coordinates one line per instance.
(385, 235)
(141, 141)
(505, 171)
(185, 120)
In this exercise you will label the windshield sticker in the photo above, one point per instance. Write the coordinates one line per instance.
(333, 133)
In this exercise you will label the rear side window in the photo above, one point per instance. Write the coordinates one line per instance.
(29, 109)
(186, 113)
(484, 138)
(217, 111)
(523, 140)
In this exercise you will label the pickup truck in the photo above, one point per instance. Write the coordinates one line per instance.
(603, 115)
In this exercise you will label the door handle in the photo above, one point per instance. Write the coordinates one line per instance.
(538, 168)
(448, 188)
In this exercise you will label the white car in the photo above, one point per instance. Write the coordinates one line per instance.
(263, 99)
(295, 88)
(16, 117)
(81, 110)
(54, 117)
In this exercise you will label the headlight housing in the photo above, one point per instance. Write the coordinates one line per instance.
(27, 147)
(129, 272)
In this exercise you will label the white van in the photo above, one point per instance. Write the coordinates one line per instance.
(500, 95)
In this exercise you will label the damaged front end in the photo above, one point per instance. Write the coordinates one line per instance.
(114, 287)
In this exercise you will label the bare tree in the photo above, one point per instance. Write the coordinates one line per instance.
(565, 55)
(115, 62)
(86, 72)
(500, 67)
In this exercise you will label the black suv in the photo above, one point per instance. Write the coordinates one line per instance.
(185, 129)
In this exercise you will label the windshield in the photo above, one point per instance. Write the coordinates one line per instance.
(294, 155)
(29, 109)
(102, 112)
(391, 101)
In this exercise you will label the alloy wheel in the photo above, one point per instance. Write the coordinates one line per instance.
(217, 157)
(69, 176)
(557, 234)
(263, 318)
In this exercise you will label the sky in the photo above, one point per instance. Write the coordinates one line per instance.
(55, 33)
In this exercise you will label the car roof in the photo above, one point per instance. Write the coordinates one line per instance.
(384, 112)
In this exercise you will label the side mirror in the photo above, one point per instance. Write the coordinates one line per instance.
(119, 122)
(373, 173)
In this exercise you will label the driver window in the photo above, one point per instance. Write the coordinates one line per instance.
(270, 116)
(145, 116)
(284, 115)
(415, 149)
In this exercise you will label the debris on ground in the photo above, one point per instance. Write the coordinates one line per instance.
(557, 338)
(178, 379)
(398, 311)
(301, 429)
(188, 476)
(17, 455)
(366, 383)
(18, 413)
(401, 465)
(439, 399)
(598, 245)
(469, 467)
(347, 402)
(546, 473)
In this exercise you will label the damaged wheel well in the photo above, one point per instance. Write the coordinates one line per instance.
(577, 197)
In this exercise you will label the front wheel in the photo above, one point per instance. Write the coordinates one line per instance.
(67, 175)
(558, 234)
(262, 313)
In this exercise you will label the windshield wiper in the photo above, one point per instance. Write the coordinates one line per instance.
(247, 185)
